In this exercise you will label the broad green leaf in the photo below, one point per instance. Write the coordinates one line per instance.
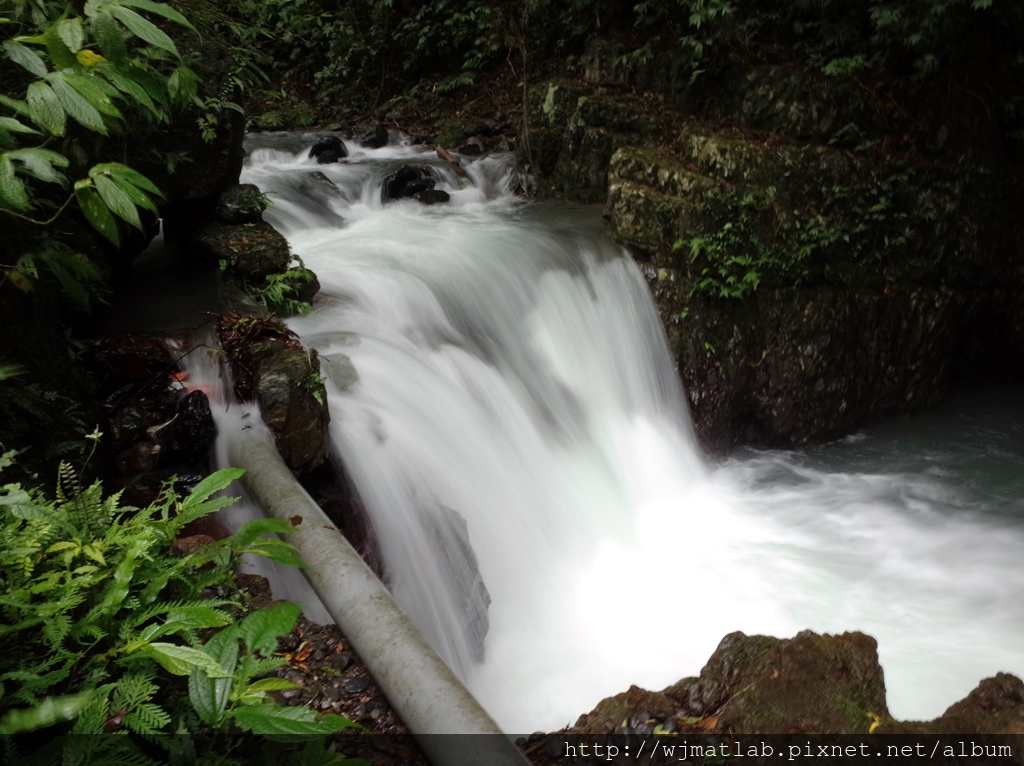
(182, 86)
(71, 33)
(128, 86)
(18, 106)
(9, 123)
(272, 685)
(278, 550)
(210, 696)
(96, 213)
(48, 712)
(96, 91)
(61, 55)
(76, 105)
(252, 530)
(160, 9)
(144, 29)
(26, 57)
(12, 189)
(136, 178)
(46, 111)
(180, 660)
(260, 630)
(120, 204)
(109, 35)
(138, 197)
(40, 163)
(295, 721)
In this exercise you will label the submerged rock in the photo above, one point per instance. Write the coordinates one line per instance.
(374, 138)
(432, 197)
(407, 181)
(328, 149)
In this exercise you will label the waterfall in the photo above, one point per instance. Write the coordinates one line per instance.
(520, 440)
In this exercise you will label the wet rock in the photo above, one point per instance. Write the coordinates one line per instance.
(356, 685)
(474, 147)
(451, 537)
(405, 182)
(763, 685)
(243, 203)
(192, 431)
(292, 398)
(432, 197)
(610, 712)
(374, 138)
(315, 192)
(127, 426)
(339, 368)
(141, 457)
(250, 251)
(341, 661)
(328, 149)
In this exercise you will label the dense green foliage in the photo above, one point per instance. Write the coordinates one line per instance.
(116, 631)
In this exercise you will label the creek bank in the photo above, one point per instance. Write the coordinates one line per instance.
(809, 283)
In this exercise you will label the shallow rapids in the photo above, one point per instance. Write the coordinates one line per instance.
(518, 435)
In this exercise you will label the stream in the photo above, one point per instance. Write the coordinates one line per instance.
(521, 442)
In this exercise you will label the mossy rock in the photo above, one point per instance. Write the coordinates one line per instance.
(250, 251)
(242, 203)
(292, 400)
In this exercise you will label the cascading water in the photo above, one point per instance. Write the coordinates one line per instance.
(518, 434)
(204, 364)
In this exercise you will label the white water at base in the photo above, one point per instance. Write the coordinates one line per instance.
(512, 370)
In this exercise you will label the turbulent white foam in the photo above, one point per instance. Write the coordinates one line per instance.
(512, 369)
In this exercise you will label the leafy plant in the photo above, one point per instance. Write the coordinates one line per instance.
(83, 72)
(106, 612)
(279, 293)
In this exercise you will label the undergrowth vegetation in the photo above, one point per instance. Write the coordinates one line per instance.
(120, 631)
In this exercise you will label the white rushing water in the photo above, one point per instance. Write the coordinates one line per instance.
(515, 386)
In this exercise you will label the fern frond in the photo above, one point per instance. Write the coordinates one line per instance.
(147, 718)
(134, 689)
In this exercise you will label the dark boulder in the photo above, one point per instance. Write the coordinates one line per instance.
(250, 251)
(432, 197)
(405, 182)
(328, 149)
(374, 138)
(190, 434)
(243, 203)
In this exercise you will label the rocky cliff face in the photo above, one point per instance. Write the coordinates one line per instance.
(815, 268)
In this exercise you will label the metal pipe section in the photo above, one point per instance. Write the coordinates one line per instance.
(420, 686)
